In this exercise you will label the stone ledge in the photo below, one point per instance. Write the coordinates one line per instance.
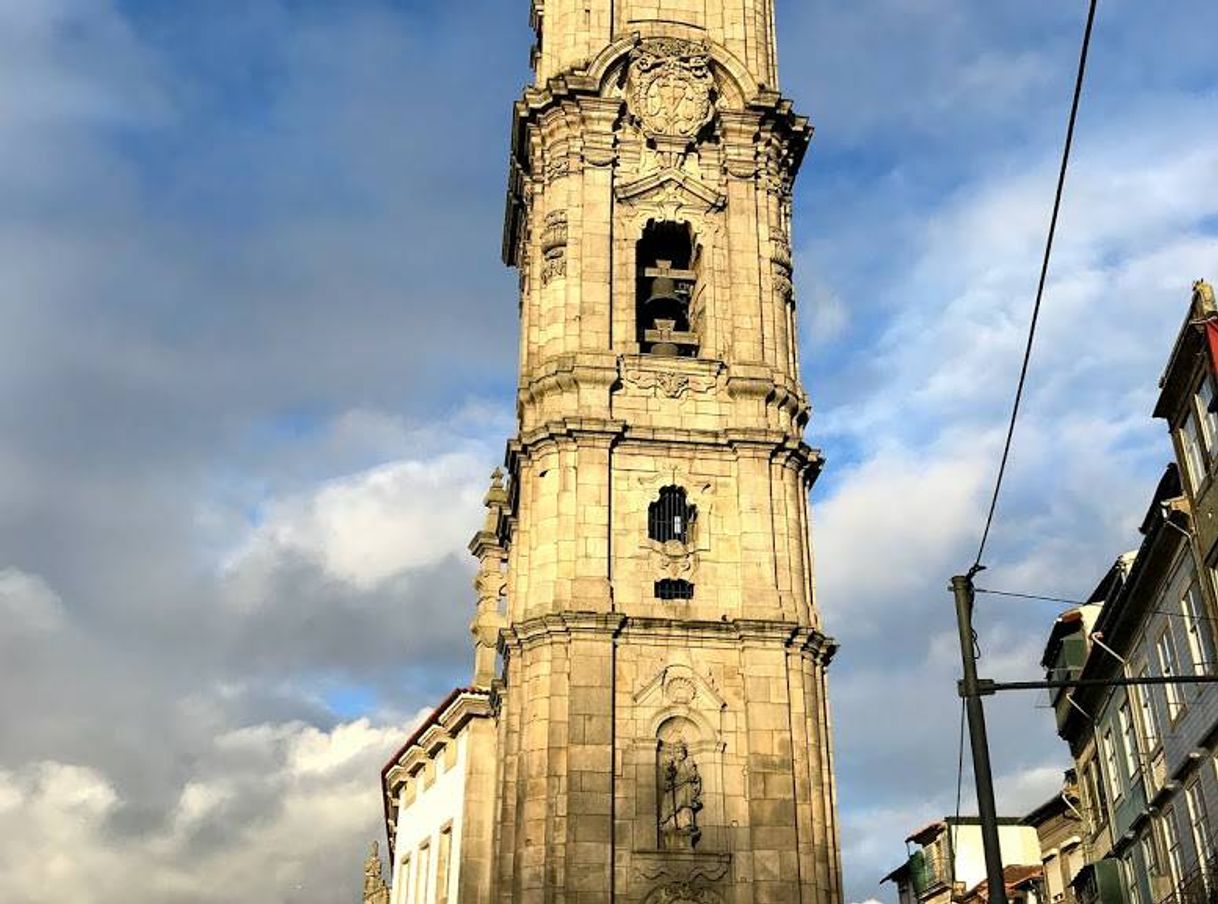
(802, 638)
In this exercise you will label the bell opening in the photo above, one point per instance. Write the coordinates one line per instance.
(665, 289)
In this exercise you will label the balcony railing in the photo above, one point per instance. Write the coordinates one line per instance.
(930, 872)
(1198, 887)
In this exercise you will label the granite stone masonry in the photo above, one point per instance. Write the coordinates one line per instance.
(648, 718)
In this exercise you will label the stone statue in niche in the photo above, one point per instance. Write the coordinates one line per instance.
(680, 798)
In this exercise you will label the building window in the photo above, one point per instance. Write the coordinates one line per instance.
(403, 878)
(670, 589)
(1198, 820)
(1129, 741)
(1171, 845)
(1146, 714)
(1111, 767)
(422, 873)
(1133, 887)
(1206, 405)
(443, 860)
(671, 517)
(1096, 796)
(1150, 855)
(1169, 668)
(1200, 635)
(1194, 457)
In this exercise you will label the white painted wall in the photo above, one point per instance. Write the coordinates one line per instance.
(422, 822)
(1020, 847)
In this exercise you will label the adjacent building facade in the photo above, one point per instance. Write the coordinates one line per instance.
(946, 863)
(648, 718)
(1060, 826)
(1147, 757)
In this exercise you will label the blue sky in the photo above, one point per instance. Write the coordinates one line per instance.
(259, 356)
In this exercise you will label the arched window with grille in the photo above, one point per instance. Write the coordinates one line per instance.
(671, 517)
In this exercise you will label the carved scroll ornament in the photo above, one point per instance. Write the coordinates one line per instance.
(670, 384)
(554, 247)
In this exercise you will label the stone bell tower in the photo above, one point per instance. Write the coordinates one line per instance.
(663, 728)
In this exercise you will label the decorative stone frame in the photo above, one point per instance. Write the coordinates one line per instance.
(674, 559)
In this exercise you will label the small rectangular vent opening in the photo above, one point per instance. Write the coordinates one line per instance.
(669, 589)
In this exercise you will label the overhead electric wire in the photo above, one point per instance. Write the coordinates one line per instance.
(1059, 599)
(1033, 596)
(1040, 289)
(955, 828)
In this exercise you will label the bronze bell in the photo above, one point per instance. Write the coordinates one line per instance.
(664, 302)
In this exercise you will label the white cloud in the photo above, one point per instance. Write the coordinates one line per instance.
(27, 605)
(905, 508)
(316, 805)
(372, 526)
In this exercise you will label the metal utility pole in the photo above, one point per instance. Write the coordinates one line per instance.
(962, 587)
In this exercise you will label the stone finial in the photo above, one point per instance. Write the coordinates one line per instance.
(376, 891)
(1204, 305)
(490, 583)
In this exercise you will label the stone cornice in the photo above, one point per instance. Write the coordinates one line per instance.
(554, 432)
(777, 445)
(531, 632)
(804, 639)
(748, 383)
(567, 372)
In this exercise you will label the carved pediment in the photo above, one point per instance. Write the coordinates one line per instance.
(672, 187)
(679, 685)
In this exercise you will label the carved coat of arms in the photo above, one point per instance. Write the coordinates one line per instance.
(670, 87)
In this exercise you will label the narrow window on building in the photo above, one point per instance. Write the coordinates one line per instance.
(1198, 627)
(1207, 410)
(1146, 714)
(1129, 741)
(1131, 874)
(443, 864)
(1199, 821)
(1171, 845)
(665, 289)
(669, 589)
(1150, 854)
(1169, 668)
(1096, 794)
(1111, 768)
(671, 517)
(1194, 456)
(403, 877)
(422, 873)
